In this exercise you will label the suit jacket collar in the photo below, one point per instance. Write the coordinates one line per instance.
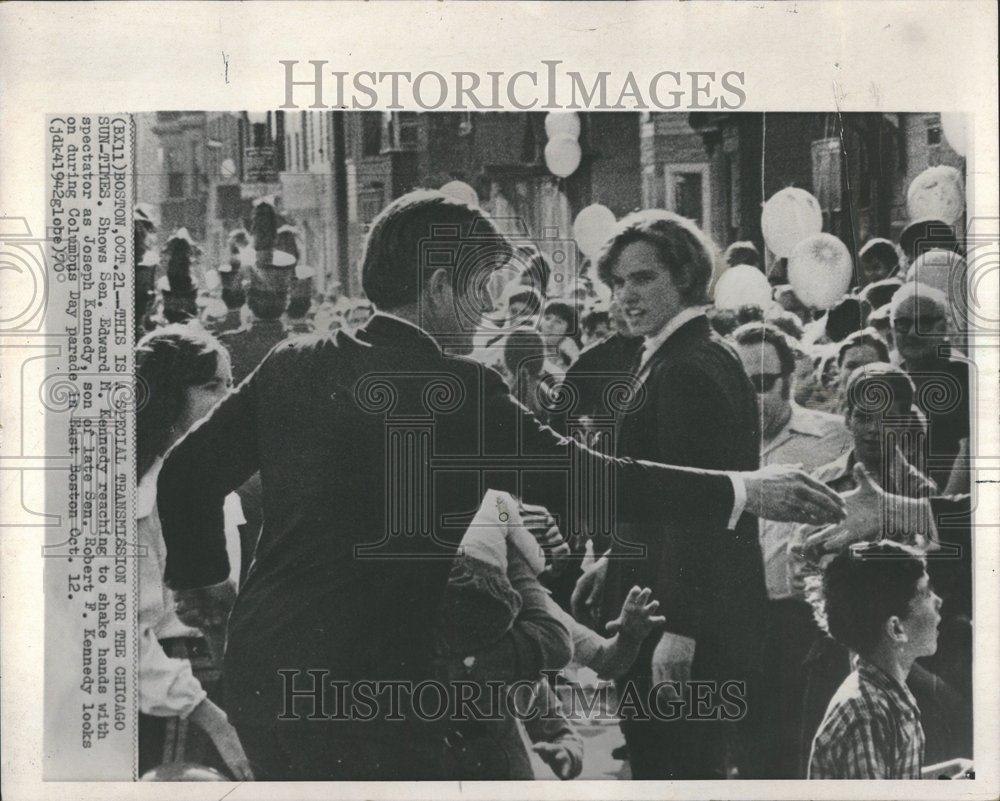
(387, 330)
(690, 322)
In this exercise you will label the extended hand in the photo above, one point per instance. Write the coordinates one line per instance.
(788, 495)
(637, 617)
(872, 514)
(556, 757)
(216, 725)
(672, 660)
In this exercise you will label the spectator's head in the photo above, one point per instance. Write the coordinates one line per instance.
(298, 307)
(919, 323)
(881, 320)
(784, 296)
(878, 259)
(657, 263)
(742, 253)
(430, 256)
(723, 321)
(860, 348)
(877, 397)
(265, 303)
(923, 235)
(769, 360)
(182, 372)
(876, 599)
(360, 313)
(558, 321)
(523, 357)
(524, 305)
(596, 325)
(879, 293)
(848, 316)
(749, 313)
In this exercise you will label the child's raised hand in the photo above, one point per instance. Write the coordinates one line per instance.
(638, 615)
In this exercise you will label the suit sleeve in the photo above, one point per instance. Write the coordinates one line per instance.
(564, 476)
(213, 459)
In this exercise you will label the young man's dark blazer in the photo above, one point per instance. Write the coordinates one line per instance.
(700, 410)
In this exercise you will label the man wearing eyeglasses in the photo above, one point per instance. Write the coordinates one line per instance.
(791, 434)
(919, 317)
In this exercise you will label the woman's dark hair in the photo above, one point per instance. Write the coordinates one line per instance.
(168, 361)
(594, 318)
(863, 587)
(683, 250)
(565, 311)
(421, 232)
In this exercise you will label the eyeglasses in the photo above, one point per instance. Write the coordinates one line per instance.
(764, 382)
(906, 324)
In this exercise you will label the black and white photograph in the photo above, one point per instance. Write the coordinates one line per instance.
(546, 446)
(499, 400)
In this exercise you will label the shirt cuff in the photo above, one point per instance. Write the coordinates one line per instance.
(739, 499)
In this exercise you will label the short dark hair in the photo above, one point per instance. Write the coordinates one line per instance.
(683, 250)
(880, 249)
(527, 295)
(521, 346)
(866, 336)
(267, 304)
(879, 293)
(744, 252)
(564, 310)
(849, 314)
(766, 333)
(863, 586)
(723, 321)
(879, 384)
(537, 271)
(594, 318)
(420, 232)
(167, 362)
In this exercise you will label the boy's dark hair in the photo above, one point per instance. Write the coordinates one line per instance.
(723, 321)
(879, 293)
(863, 587)
(866, 336)
(418, 233)
(298, 306)
(683, 250)
(788, 322)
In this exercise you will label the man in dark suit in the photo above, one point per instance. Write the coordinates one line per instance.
(374, 452)
(700, 411)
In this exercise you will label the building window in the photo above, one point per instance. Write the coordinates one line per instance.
(175, 178)
(688, 192)
(933, 135)
(400, 130)
(372, 199)
(371, 133)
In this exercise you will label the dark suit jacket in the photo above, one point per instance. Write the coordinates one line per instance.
(700, 410)
(374, 453)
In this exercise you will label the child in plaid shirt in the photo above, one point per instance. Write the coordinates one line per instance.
(876, 599)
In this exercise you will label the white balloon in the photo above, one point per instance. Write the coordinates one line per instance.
(820, 270)
(593, 227)
(953, 127)
(938, 193)
(742, 285)
(941, 269)
(212, 279)
(789, 216)
(460, 190)
(562, 124)
(562, 156)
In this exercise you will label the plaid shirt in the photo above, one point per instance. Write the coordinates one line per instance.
(871, 730)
